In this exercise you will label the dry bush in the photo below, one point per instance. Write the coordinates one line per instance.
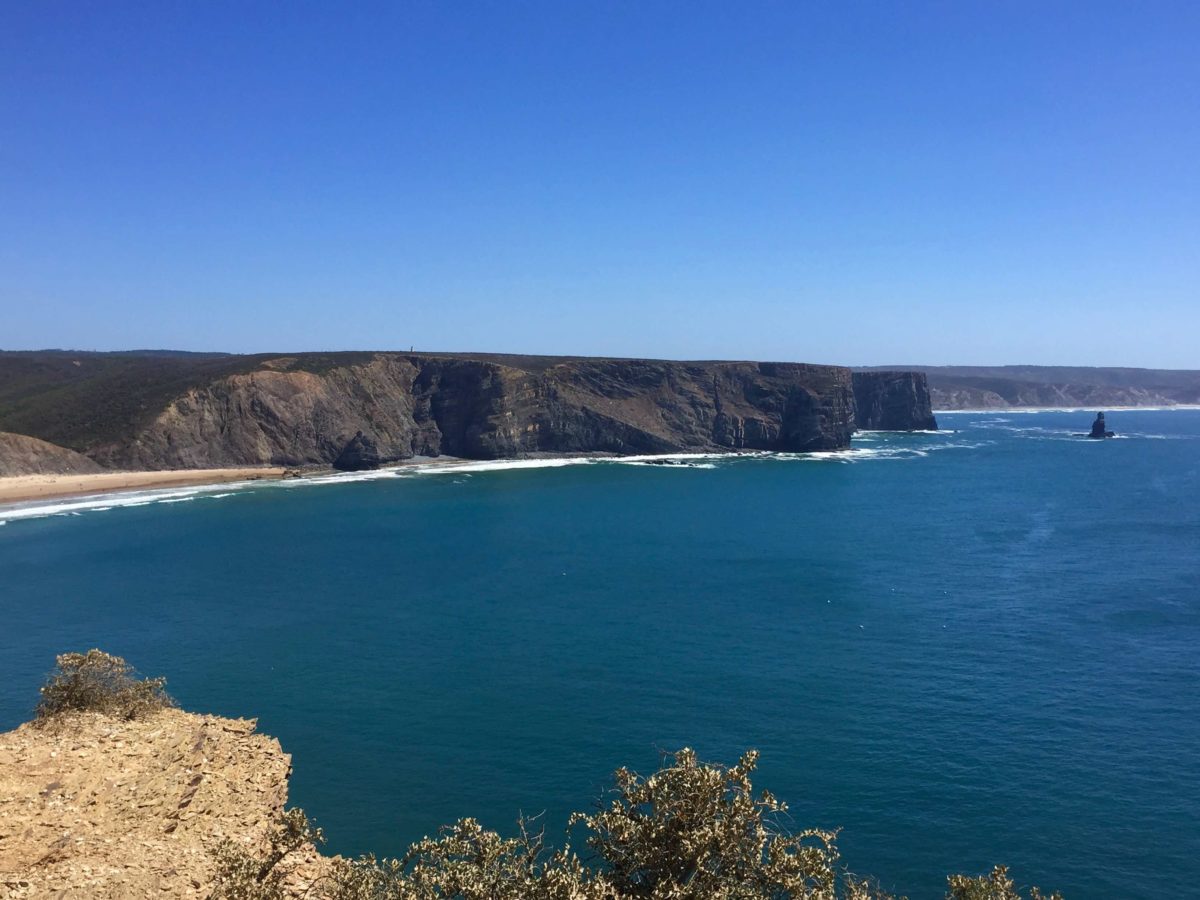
(690, 831)
(697, 831)
(469, 862)
(994, 886)
(242, 875)
(99, 682)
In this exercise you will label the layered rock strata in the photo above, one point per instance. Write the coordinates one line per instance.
(892, 401)
(155, 410)
(392, 407)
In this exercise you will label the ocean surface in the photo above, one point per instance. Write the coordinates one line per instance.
(964, 648)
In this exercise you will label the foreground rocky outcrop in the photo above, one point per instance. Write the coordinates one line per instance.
(99, 807)
(22, 455)
(112, 792)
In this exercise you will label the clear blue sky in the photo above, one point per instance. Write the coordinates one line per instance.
(959, 182)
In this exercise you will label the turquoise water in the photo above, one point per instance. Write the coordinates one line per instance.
(964, 648)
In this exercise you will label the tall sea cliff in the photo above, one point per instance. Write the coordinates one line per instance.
(358, 410)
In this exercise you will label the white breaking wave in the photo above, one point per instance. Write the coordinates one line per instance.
(861, 454)
(1033, 410)
(650, 457)
(1155, 437)
(494, 465)
(662, 460)
(678, 465)
(914, 431)
(116, 500)
(465, 469)
(336, 478)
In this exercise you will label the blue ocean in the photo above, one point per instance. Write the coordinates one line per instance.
(969, 647)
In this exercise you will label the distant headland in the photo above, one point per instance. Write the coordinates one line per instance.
(1057, 387)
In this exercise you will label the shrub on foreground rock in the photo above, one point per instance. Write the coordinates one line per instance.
(99, 682)
(690, 831)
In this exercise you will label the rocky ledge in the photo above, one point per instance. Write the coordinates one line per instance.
(97, 807)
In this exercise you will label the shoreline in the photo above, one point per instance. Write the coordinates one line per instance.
(33, 492)
(31, 488)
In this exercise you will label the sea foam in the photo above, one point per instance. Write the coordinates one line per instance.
(884, 449)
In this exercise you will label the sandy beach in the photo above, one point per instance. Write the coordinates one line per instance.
(21, 488)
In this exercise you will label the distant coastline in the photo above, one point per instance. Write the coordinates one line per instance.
(1066, 409)
(29, 489)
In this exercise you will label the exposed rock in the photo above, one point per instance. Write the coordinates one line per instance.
(361, 452)
(155, 411)
(893, 401)
(1098, 428)
(106, 808)
(390, 407)
(21, 455)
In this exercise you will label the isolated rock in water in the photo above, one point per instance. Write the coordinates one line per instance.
(1098, 428)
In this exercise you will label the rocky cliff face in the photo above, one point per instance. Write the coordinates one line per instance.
(105, 808)
(360, 409)
(893, 401)
(21, 455)
(390, 407)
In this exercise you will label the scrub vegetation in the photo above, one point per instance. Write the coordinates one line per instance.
(99, 682)
(690, 831)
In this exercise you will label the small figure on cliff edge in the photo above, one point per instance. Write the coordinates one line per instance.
(1098, 428)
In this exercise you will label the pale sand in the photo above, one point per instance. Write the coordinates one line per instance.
(19, 488)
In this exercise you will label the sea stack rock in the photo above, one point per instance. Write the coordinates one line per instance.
(1098, 428)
